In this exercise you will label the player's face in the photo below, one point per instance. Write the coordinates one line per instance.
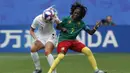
(76, 14)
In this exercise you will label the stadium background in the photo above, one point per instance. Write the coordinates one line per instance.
(16, 16)
(110, 44)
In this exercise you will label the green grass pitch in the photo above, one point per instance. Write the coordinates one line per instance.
(72, 63)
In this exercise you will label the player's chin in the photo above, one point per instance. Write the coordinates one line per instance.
(76, 18)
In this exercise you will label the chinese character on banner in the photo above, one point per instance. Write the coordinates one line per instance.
(11, 34)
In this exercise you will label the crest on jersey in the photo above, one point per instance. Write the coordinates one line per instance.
(69, 21)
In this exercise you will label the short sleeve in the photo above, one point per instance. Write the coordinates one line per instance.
(34, 23)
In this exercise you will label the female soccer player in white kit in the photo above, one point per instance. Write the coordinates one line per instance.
(46, 37)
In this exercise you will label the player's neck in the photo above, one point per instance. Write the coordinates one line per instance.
(73, 18)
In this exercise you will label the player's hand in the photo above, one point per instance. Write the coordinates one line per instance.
(64, 29)
(98, 23)
(104, 22)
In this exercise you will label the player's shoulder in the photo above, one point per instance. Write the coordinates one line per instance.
(66, 18)
(38, 17)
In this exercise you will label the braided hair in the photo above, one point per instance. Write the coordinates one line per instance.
(82, 8)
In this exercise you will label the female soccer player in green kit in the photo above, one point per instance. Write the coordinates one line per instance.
(70, 27)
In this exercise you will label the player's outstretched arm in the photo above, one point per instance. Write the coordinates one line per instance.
(61, 28)
(56, 19)
(58, 22)
(91, 32)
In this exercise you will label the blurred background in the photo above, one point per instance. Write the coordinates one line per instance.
(111, 44)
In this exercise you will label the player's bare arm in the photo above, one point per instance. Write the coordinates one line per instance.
(58, 27)
(91, 32)
(32, 33)
(57, 20)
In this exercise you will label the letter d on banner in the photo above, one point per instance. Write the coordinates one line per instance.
(99, 40)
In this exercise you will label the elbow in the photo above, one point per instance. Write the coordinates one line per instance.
(91, 33)
(31, 31)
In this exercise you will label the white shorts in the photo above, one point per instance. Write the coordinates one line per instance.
(50, 38)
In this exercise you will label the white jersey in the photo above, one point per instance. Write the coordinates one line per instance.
(45, 29)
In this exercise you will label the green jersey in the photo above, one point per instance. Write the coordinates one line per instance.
(73, 29)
